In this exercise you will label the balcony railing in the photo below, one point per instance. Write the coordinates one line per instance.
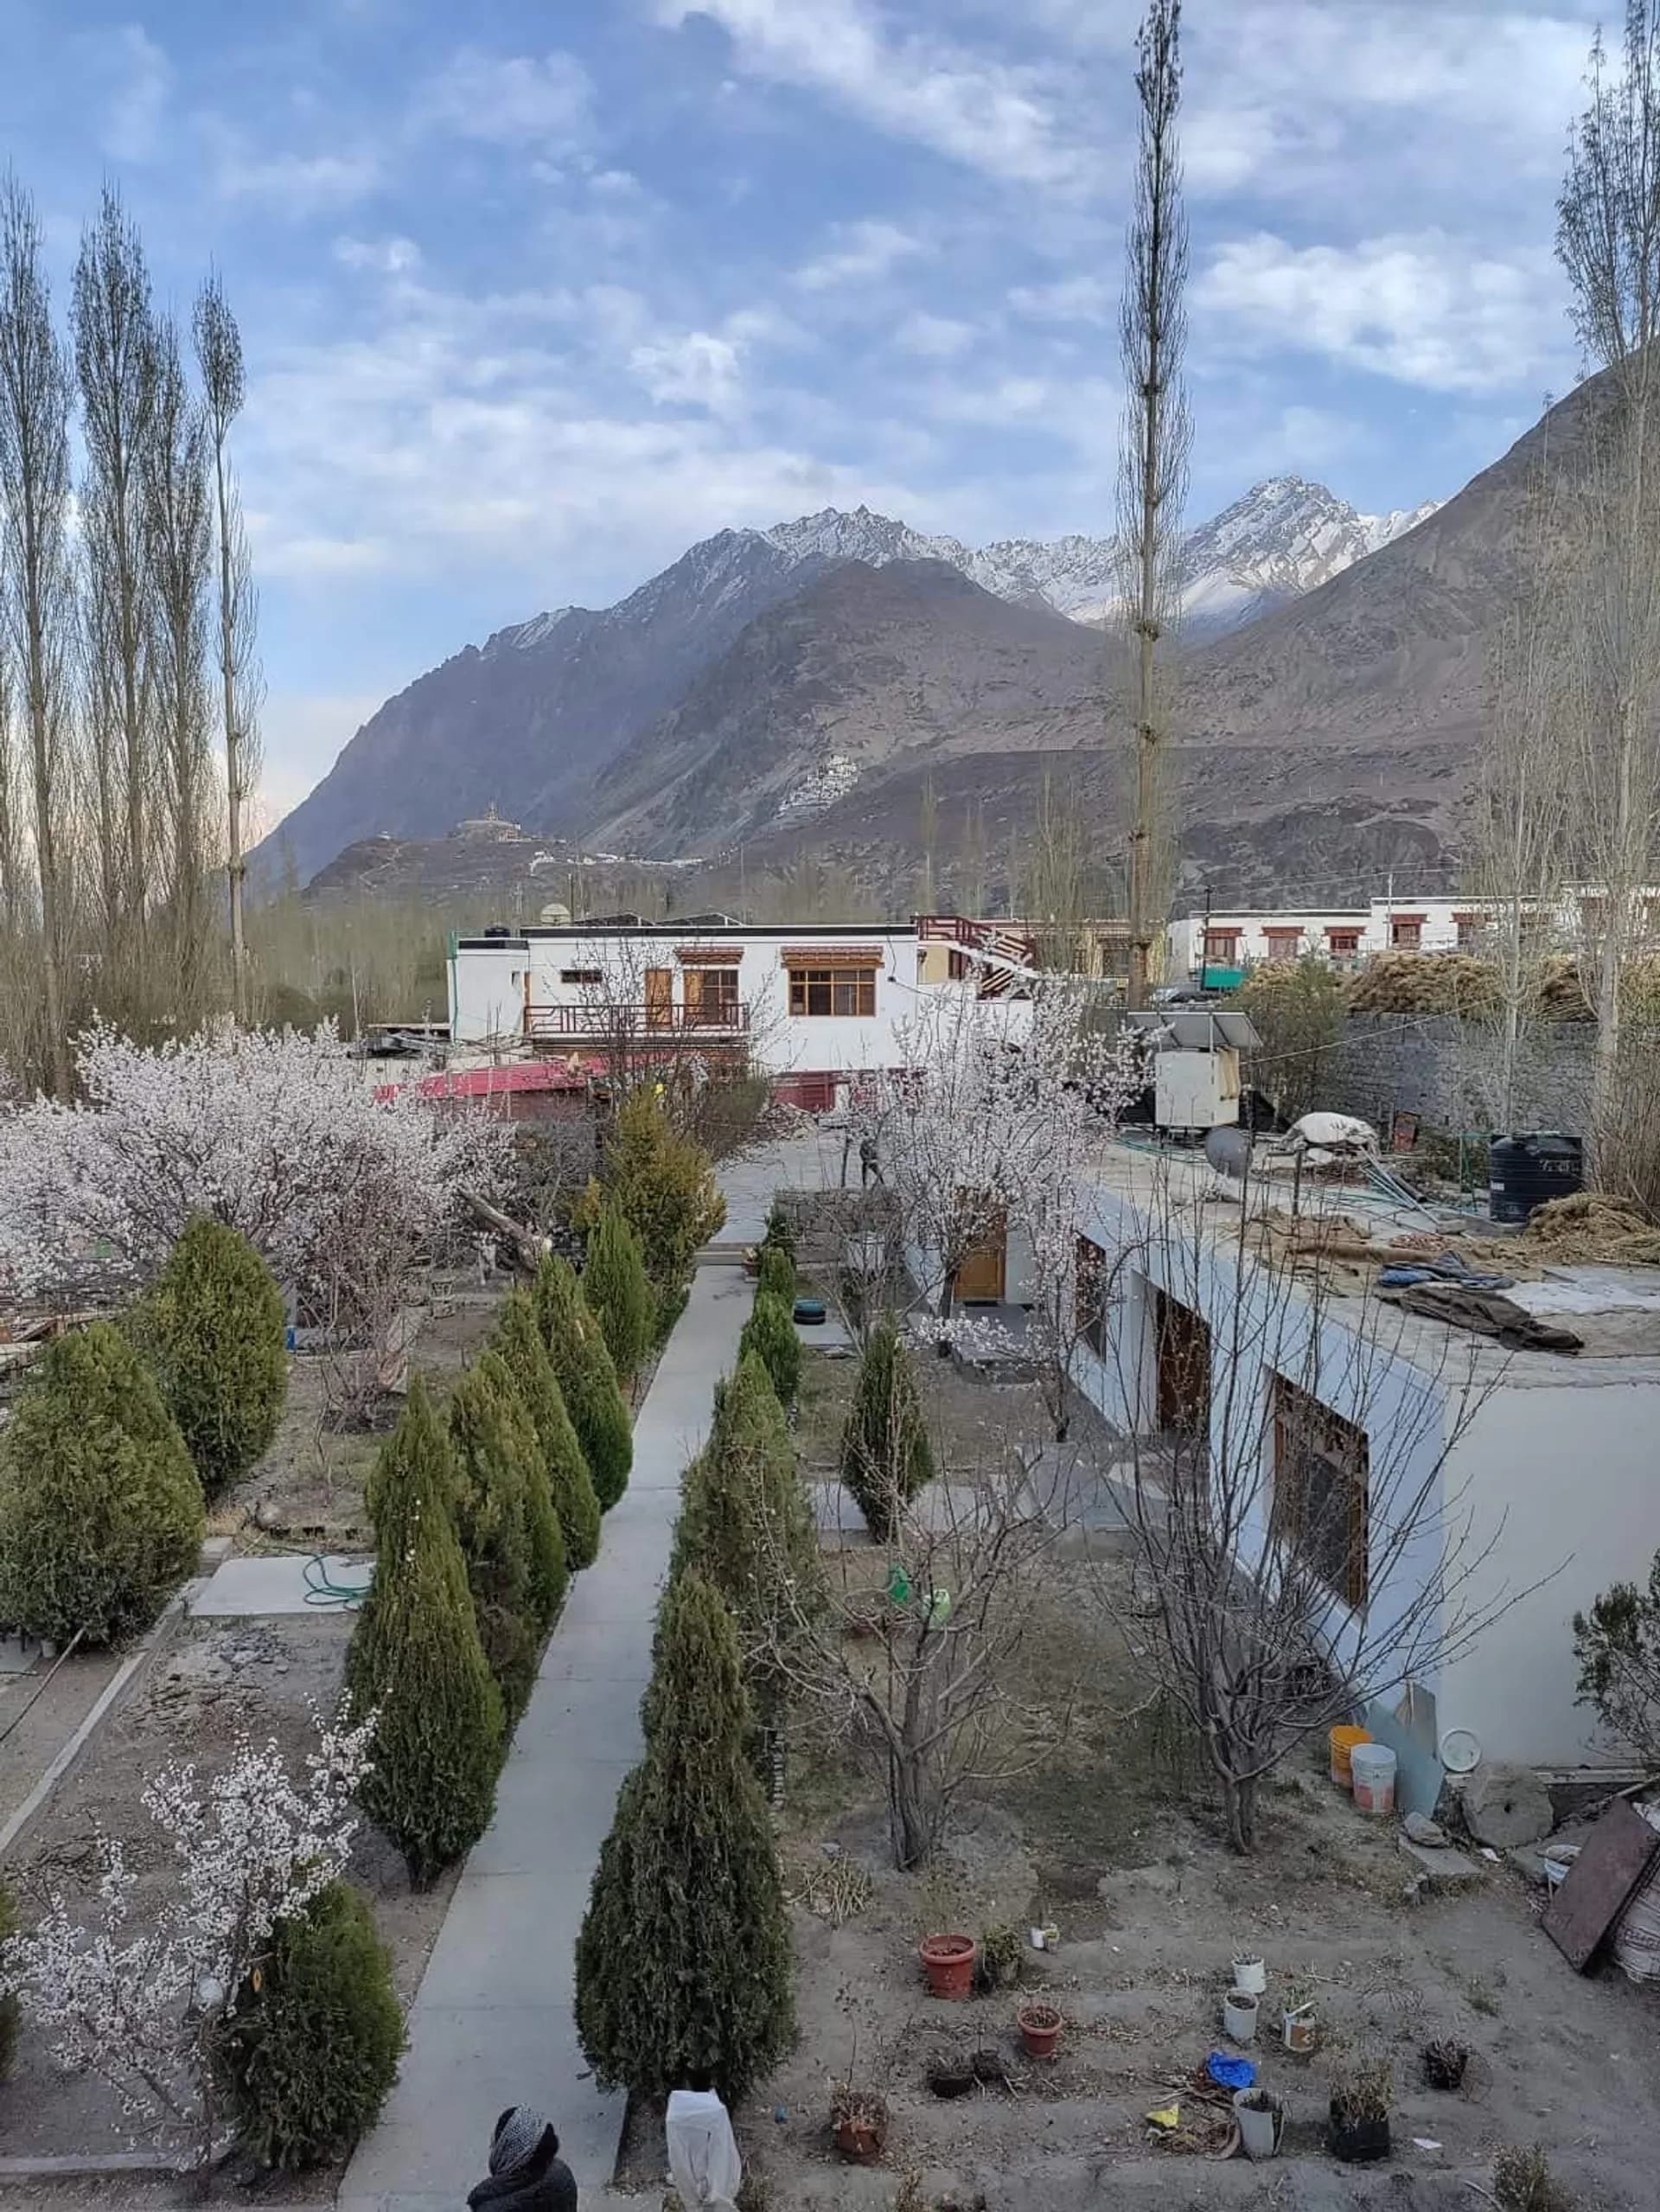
(609, 1021)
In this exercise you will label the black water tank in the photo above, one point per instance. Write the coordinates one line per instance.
(1523, 1173)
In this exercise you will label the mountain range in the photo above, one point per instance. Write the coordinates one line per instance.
(767, 683)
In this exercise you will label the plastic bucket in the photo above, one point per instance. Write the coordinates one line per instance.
(1259, 2129)
(1239, 2012)
(1374, 1772)
(1343, 1740)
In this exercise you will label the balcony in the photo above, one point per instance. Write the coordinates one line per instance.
(605, 1021)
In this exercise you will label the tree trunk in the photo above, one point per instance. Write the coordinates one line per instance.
(913, 1814)
(235, 867)
(1239, 1806)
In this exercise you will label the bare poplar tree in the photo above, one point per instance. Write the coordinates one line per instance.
(116, 368)
(1608, 241)
(11, 856)
(1153, 455)
(37, 596)
(218, 355)
(177, 542)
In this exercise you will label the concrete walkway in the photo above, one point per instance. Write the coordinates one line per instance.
(493, 2023)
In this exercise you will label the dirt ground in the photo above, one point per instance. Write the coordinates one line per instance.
(1115, 1839)
(215, 1681)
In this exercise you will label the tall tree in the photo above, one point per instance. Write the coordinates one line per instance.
(1608, 241)
(11, 857)
(37, 596)
(177, 539)
(1153, 454)
(117, 365)
(219, 356)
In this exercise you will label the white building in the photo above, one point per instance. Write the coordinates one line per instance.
(1540, 1464)
(809, 1004)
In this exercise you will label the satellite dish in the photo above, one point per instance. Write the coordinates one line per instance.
(1228, 1151)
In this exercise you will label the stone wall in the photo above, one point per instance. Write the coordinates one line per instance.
(1446, 1071)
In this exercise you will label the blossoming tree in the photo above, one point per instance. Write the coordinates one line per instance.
(142, 2006)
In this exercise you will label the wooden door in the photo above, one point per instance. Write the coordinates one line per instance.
(980, 1279)
(1184, 1351)
(660, 998)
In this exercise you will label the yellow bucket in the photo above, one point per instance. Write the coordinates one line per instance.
(1343, 1740)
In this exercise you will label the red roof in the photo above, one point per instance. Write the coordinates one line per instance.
(520, 1076)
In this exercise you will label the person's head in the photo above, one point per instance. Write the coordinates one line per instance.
(523, 2138)
(700, 2078)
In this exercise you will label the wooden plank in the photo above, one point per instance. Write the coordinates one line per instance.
(1600, 1883)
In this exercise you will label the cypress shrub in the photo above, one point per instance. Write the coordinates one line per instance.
(663, 1184)
(416, 1659)
(518, 1342)
(885, 1456)
(212, 1331)
(746, 1525)
(310, 2053)
(544, 1536)
(780, 1235)
(101, 1510)
(619, 1294)
(11, 2010)
(778, 1274)
(771, 1333)
(684, 1958)
(585, 1375)
(492, 1443)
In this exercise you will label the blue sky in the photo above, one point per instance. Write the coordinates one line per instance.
(533, 296)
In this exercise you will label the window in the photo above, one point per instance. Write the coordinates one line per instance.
(1469, 929)
(1320, 1490)
(1091, 1265)
(580, 975)
(1221, 947)
(712, 998)
(1407, 932)
(1342, 945)
(1283, 943)
(845, 991)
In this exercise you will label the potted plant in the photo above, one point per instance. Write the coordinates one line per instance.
(1299, 2024)
(1261, 2118)
(1361, 2097)
(1239, 2016)
(858, 2120)
(949, 1963)
(1445, 2061)
(1001, 1953)
(1250, 1974)
(1040, 2025)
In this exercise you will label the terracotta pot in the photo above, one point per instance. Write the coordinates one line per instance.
(1040, 2028)
(949, 1962)
(860, 2141)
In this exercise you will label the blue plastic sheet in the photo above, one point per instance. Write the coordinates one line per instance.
(1229, 2072)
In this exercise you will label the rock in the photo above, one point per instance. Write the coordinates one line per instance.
(1440, 1868)
(1506, 1805)
(1420, 1829)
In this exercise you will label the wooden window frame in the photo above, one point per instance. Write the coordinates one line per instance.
(582, 975)
(1412, 922)
(1342, 943)
(1283, 944)
(1301, 1422)
(837, 994)
(707, 1009)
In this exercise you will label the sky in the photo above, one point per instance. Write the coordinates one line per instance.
(533, 296)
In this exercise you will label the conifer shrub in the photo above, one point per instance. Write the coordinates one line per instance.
(619, 1292)
(587, 1379)
(11, 2009)
(544, 1535)
(684, 1958)
(492, 1443)
(417, 1662)
(100, 1510)
(771, 1333)
(212, 1328)
(780, 1235)
(885, 1455)
(663, 1184)
(518, 1342)
(777, 1273)
(310, 2053)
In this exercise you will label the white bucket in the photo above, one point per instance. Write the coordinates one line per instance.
(1250, 1975)
(1259, 2132)
(1239, 2011)
(1373, 1771)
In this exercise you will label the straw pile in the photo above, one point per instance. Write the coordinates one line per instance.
(1589, 1228)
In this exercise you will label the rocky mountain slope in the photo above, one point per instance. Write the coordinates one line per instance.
(531, 720)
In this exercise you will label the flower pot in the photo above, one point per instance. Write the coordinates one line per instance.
(859, 2138)
(1250, 1974)
(1040, 2028)
(949, 1962)
(1358, 2142)
(1239, 2011)
(1301, 2031)
(1261, 2121)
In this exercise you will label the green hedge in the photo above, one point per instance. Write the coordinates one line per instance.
(213, 1329)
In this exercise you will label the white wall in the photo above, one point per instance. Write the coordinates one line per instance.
(1564, 1483)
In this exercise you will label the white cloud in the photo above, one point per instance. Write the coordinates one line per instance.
(135, 78)
(1426, 309)
(545, 101)
(934, 337)
(1069, 300)
(697, 369)
(300, 734)
(299, 184)
(863, 253)
(1000, 118)
(387, 257)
